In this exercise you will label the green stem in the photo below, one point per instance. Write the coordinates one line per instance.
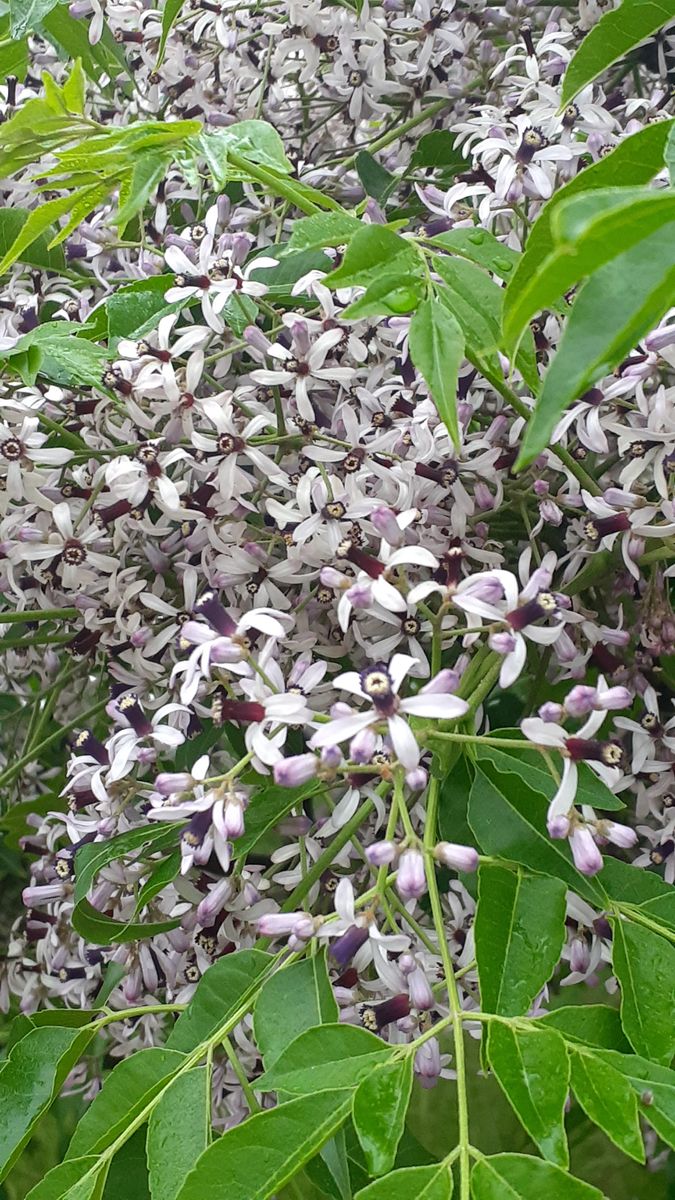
(36, 751)
(37, 614)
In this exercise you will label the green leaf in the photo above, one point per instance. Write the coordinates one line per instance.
(635, 160)
(371, 249)
(480, 247)
(655, 1090)
(170, 12)
(411, 1183)
(476, 301)
(96, 927)
(25, 15)
(128, 1171)
(30, 1079)
(323, 229)
(644, 965)
(593, 1024)
(28, 229)
(14, 60)
(70, 37)
(74, 89)
(221, 991)
(608, 1100)
(519, 932)
(437, 349)
(303, 994)
(256, 141)
(617, 32)
(281, 279)
(61, 1183)
(255, 1159)
(184, 1109)
(377, 181)
(334, 1056)
(532, 1068)
(644, 890)
(146, 174)
(520, 1177)
(238, 312)
(163, 874)
(131, 314)
(92, 857)
(386, 297)
(129, 1087)
(380, 1106)
(591, 790)
(588, 231)
(438, 149)
(509, 822)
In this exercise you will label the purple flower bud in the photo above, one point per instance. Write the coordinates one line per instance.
(419, 990)
(502, 643)
(362, 746)
(558, 826)
(294, 771)
(332, 578)
(587, 857)
(256, 338)
(581, 700)
(551, 712)
(446, 680)
(417, 779)
(360, 595)
(212, 904)
(331, 757)
(540, 488)
(614, 697)
(384, 521)
(427, 1065)
(411, 880)
(456, 856)
(618, 835)
(279, 924)
(170, 782)
(381, 854)
(483, 497)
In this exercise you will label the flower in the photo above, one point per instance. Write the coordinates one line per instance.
(380, 684)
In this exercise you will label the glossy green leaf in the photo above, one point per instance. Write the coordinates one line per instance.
(635, 160)
(219, 994)
(520, 1177)
(377, 181)
(370, 251)
(128, 1089)
(330, 1056)
(436, 346)
(519, 932)
(30, 230)
(593, 1024)
(96, 927)
(281, 280)
(411, 1183)
(30, 1079)
(14, 60)
(380, 1106)
(532, 1068)
(481, 247)
(170, 13)
(128, 1171)
(25, 15)
(184, 1109)
(91, 858)
(147, 172)
(654, 1088)
(591, 790)
(644, 964)
(159, 878)
(438, 149)
(74, 89)
(588, 231)
(65, 1181)
(608, 1100)
(509, 822)
(132, 314)
(606, 322)
(70, 37)
(323, 229)
(303, 996)
(476, 301)
(617, 32)
(644, 890)
(255, 1159)
(388, 296)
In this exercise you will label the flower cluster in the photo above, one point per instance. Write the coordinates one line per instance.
(268, 595)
